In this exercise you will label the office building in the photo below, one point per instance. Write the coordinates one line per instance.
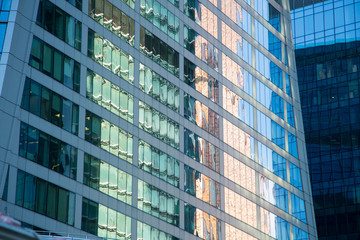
(143, 119)
(326, 37)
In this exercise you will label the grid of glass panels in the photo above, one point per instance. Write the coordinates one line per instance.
(56, 21)
(237, 14)
(145, 231)
(55, 64)
(273, 193)
(159, 51)
(272, 161)
(50, 152)
(45, 198)
(113, 19)
(159, 88)
(103, 221)
(159, 125)
(270, 129)
(158, 203)
(201, 81)
(194, 41)
(50, 106)
(161, 17)
(201, 224)
(110, 56)
(109, 96)
(269, 99)
(236, 43)
(200, 14)
(202, 186)
(108, 136)
(107, 179)
(238, 107)
(158, 163)
(201, 115)
(237, 75)
(201, 150)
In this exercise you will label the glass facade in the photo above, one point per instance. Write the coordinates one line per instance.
(157, 119)
(326, 37)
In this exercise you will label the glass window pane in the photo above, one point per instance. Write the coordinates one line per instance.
(41, 193)
(63, 205)
(58, 65)
(47, 62)
(52, 201)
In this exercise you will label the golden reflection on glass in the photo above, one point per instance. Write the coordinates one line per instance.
(234, 233)
(201, 81)
(202, 16)
(201, 150)
(202, 187)
(238, 139)
(230, 38)
(240, 207)
(201, 115)
(232, 9)
(208, 20)
(239, 173)
(201, 224)
(232, 71)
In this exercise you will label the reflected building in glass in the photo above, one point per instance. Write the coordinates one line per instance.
(326, 37)
(153, 119)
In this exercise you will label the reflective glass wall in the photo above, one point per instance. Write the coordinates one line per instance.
(326, 37)
(167, 119)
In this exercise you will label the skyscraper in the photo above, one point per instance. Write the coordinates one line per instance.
(153, 119)
(326, 37)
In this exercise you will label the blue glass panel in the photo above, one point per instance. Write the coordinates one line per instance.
(272, 161)
(2, 35)
(295, 177)
(300, 234)
(298, 208)
(6, 5)
(292, 145)
(290, 115)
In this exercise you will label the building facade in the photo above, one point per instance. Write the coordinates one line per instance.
(145, 119)
(326, 37)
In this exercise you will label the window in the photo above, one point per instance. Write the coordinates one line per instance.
(159, 88)
(158, 163)
(147, 47)
(57, 22)
(107, 179)
(201, 150)
(95, 134)
(47, 151)
(111, 57)
(50, 61)
(113, 19)
(45, 198)
(95, 215)
(159, 125)
(158, 203)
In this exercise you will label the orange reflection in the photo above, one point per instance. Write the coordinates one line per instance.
(239, 173)
(237, 138)
(232, 71)
(240, 207)
(234, 233)
(207, 226)
(207, 20)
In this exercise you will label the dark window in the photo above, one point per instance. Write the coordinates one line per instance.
(41, 193)
(52, 201)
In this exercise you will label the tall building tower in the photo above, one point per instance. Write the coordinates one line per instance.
(326, 37)
(153, 119)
